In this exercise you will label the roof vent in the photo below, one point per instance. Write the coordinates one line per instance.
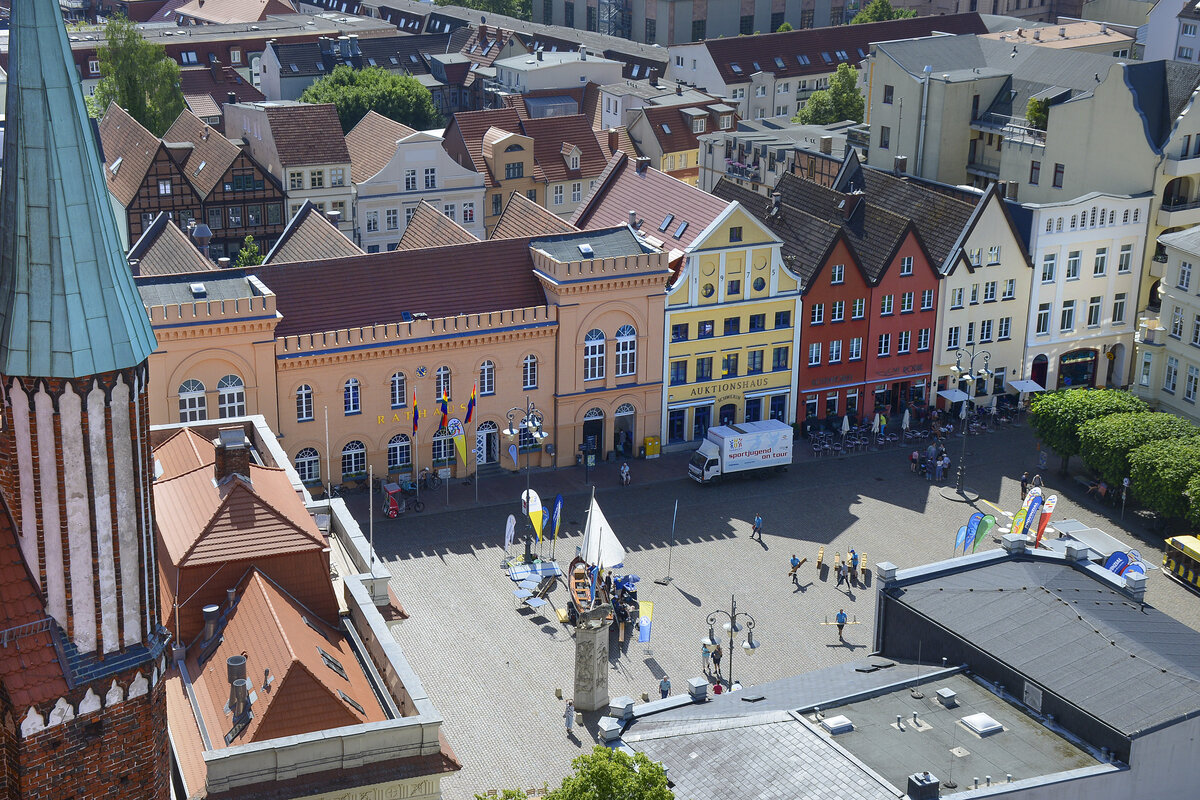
(982, 724)
(586, 250)
(198, 290)
(116, 165)
(838, 724)
(923, 786)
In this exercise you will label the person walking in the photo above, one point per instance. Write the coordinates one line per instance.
(625, 473)
(841, 574)
(940, 470)
(853, 565)
(716, 657)
(912, 461)
(664, 687)
(705, 655)
(757, 530)
(795, 568)
(841, 623)
(1024, 485)
(569, 716)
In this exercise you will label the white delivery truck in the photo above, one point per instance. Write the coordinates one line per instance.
(750, 447)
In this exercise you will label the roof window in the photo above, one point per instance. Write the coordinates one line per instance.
(779, 62)
(333, 663)
(679, 231)
(666, 223)
(736, 67)
(803, 59)
(666, 128)
(586, 250)
(348, 700)
(827, 57)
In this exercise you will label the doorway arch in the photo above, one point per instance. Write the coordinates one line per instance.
(624, 427)
(1038, 373)
(727, 415)
(593, 430)
(487, 443)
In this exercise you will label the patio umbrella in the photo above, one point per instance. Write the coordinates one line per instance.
(906, 421)
(845, 424)
(994, 398)
(875, 424)
(963, 414)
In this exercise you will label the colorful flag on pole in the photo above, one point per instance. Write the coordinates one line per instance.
(470, 406)
(444, 402)
(972, 527)
(1047, 510)
(416, 414)
(645, 615)
(961, 538)
(985, 527)
(555, 518)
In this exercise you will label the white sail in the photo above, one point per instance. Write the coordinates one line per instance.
(601, 548)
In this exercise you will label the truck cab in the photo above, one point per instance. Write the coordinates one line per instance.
(705, 464)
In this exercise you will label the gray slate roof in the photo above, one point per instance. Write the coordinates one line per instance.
(1131, 666)
(605, 243)
(68, 307)
(1161, 90)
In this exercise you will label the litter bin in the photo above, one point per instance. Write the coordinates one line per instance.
(652, 446)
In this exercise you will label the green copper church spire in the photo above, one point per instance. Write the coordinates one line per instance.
(68, 305)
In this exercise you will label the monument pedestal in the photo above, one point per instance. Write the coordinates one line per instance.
(591, 666)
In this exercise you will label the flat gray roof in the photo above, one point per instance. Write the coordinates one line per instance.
(171, 289)
(605, 243)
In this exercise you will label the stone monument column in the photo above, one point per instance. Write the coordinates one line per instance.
(591, 665)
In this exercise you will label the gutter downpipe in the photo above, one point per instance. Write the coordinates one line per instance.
(924, 112)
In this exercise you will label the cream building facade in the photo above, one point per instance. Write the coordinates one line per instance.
(1168, 356)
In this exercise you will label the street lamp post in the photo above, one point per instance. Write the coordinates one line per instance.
(732, 626)
(969, 375)
(529, 419)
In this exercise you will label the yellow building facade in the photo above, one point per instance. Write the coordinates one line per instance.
(732, 333)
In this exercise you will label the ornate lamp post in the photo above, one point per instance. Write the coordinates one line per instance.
(528, 419)
(734, 625)
(969, 374)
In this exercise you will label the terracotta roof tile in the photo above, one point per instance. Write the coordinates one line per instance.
(129, 149)
(489, 276)
(551, 133)
(307, 134)
(210, 154)
(471, 126)
(372, 143)
(29, 668)
(187, 746)
(164, 249)
(309, 236)
(181, 452)
(431, 228)
(224, 12)
(476, 47)
(309, 687)
(615, 139)
(656, 197)
(206, 88)
(523, 217)
(673, 128)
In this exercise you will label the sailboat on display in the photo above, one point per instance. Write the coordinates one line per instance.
(601, 550)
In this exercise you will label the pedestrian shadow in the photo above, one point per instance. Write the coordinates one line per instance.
(655, 668)
(848, 645)
(802, 587)
(823, 573)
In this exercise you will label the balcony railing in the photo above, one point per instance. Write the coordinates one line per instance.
(1180, 205)
(746, 172)
(1011, 128)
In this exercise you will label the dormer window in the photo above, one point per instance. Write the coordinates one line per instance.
(698, 125)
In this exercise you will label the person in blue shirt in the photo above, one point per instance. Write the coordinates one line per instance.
(757, 527)
(664, 686)
(795, 568)
(841, 623)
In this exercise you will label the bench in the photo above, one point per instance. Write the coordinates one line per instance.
(820, 557)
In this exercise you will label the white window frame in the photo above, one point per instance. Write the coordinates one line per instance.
(487, 378)
(351, 397)
(593, 355)
(625, 351)
(304, 403)
(529, 372)
(398, 386)
(193, 401)
(399, 452)
(308, 465)
(354, 459)
(443, 382)
(231, 397)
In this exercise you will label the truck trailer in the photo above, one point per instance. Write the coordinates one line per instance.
(747, 448)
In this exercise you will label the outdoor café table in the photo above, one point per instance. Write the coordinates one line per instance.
(536, 571)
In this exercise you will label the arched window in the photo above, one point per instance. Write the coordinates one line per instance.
(399, 390)
(192, 404)
(354, 460)
(513, 148)
(529, 369)
(308, 465)
(304, 403)
(399, 452)
(1049, 224)
(1093, 222)
(593, 355)
(623, 409)
(442, 384)
(487, 378)
(1112, 217)
(626, 350)
(1058, 225)
(593, 413)
(1074, 219)
(350, 397)
(231, 397)
(443, 448)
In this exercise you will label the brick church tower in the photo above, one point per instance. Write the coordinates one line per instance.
(82, 708)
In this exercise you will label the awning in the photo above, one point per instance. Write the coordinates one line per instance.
(954, 395)
(1026, 386)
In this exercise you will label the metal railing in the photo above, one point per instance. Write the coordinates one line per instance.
(1012, 128)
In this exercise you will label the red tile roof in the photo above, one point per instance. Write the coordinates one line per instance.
(307, 134)
(469, 127)
(129, 149)
(312, 666)
(210, 154)
(654, 196)
(164, 249)
(29, 668)
(802, 52)
(477, 44)
(495, 275)
(551, 134)
(615, 139)
(673, 128)
(523, 217)
(372, 143)
(310, 236)
(224, 12)
(209, 87)
(431, 228)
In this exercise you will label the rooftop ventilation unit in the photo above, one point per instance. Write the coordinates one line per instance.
(198, 290)
(982, 724)
(586, 250)
(838, 724)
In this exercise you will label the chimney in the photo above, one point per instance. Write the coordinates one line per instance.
(1103, 29)
(1037, 36)
(1020, 33)
(1012, 190)
(679, 89)
(222, 263)
(230, 98)
(582, 53)
(539, 54)
(233, 457)
(614, 140)
(239, 692)
(1002, 188)
(632, 218)
(344, 46)
(849, 205)
(641, 163)
(654, 78)
(776, 200)
(827, 145)
(230, 598)
(334, 217)
(325, 44)
(923, 786)
(354, 51)
(211, 614)
(900, 165)
(1062, 32)
(204, 134)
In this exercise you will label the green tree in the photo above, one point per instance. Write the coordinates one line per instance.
(1105, 443)
(1161, 472)
(249, 255)
(1037, 112)
(784, 28)
(138, 76)
(1057, 416)
(881, 11)
(842, 100)
(1193, 496)
(355, 92)
(521, 9)
(605, 774)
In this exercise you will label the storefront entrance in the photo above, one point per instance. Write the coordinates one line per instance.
(1077, 369)
(728, 414)
(593, 432)
(701, 422)
(624, 425)
(487, 443)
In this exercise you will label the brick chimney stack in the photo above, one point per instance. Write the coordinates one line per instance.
(233, 456)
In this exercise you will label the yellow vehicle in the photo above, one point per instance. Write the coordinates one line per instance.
(1182, 560)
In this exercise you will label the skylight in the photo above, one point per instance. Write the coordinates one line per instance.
(412, 57)
(666, 223)
(757, 68)
(735, 67)
(636, 68)
(827, 57)
(348, 700)
(803, 59)
(842, 55)
(779, 62)
(371, 61)
(586, 250)
(333, 663)
(116, 165)
(320, 67)
(666, 128)
(203, 164)
(295, 68)
(679, 231)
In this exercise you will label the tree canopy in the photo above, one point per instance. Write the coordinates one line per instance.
(250, 255)
(1057, 416)
(521, 9)
(842, 100)
(355, 92)
(1193, 495)
(1105, 443)
(138, 76)
(784, 28)
(881, 11)
(605, 774)
(1161, 471)
(1037, 112)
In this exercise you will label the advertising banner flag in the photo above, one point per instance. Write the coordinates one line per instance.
(1117, 562)
(460, 440)
(1031, 516)
(555, 521)
(512, 453)
(961, 538)
(985, 527)
(972, 528)
(645, 615)
(510, 530)
(1034, 492)
(1018, 523)
(533, 507)
(1047, 510)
